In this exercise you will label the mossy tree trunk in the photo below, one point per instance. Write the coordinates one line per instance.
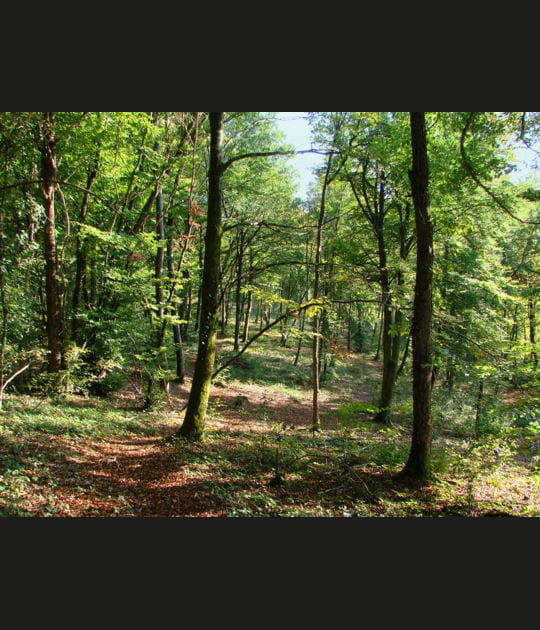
(193, 425)
(419, 462)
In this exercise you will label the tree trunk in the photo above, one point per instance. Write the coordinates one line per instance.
(176, 329)
(419, 462)
(299, 347)
(238, 296)
(48, 185)
(159, 262)
(390, 317)
(199, 294)
(160, 257)
(81, 255)
(186, 310)
(478, 419)
(245, 334)
(391, 348)
(223, 316)
(349, 327)
(193, 425)
(532, 328)
(377, 332)
(389, 366)
(260, 313)
(405, 355)
(3, 301)
(315, 367)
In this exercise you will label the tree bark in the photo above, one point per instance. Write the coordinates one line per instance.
(419, 462)
(193, 425)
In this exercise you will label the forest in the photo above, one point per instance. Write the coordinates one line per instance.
(183, 335)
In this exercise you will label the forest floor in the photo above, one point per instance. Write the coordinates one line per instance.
(92, 457)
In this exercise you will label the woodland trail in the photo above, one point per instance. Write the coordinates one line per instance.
(148, 472)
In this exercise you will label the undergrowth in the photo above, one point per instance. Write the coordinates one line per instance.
(272, 469)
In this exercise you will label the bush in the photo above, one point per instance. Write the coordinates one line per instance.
(353, 415)
(112, 382)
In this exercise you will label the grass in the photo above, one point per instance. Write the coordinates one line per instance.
(40, 445)
(75, 417)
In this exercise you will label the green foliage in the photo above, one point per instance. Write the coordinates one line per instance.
(351, 415)
(523, 413)
(74, 418)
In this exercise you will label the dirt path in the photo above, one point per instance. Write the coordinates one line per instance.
(154, 482)
(147, 472)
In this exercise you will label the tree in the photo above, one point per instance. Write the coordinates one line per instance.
(194, 420)
(315, 366)
(193, 425)
(419, 462)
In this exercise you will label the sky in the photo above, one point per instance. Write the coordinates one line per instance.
(297, 131)
(296, 128)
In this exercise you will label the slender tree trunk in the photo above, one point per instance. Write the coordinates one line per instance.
(249, 303)
(389, 367)
(532, 329)
(48, 185)
(261, 314)
(299, 347)
(359, 335)
(377, 332)
(419, 461)
(176, 329)
(405, 355)
(199, 293)
(223, 309)
(349, 332)
(194, 421)
(302, 323)
(514, 329)
(187, 306)
(160, 256)
(390, 318)
(5, 310)
(159, 262)
(478, 419)
(315, 367)
(238, 296)
(81, 255)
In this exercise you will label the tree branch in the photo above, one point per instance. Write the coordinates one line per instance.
(261, 332)
(243, 156)
(474, 177)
